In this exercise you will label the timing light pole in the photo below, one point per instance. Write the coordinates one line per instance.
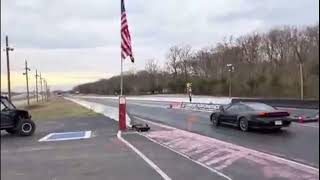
(231, 70)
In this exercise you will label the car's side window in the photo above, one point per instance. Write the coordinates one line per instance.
(243, 108)
(247, 108)
(233, 108)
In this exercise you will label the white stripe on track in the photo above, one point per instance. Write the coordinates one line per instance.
(308, 125)
(201, 164)
(147, 160)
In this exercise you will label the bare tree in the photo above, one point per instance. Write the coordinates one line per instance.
(153, 69)
(172, 56)
(184, 61)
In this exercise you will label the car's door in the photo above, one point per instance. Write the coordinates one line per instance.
(5, 117)
(230, 114)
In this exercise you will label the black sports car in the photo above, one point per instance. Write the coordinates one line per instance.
(247, 115)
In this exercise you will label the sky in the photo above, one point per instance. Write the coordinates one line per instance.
(77, 41)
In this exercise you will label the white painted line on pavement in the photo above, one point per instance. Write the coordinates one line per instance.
(87, 135)
(244, 148)
(147, 160)
(27, 149)
(169, 127)
(308, 125)
(45, 138)
(201, 164)
(154, 123)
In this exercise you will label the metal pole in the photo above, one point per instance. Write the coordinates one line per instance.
(48, 91)
(37, 86)
(301, 81)
(121, 80)
(46, 87)
(230, 83)
(8, 68)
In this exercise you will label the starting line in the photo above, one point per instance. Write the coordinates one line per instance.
(66, 136)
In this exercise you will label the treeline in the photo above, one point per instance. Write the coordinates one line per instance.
(266, 65)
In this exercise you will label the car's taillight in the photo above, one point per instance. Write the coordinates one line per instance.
(263, 114)
(273, 114)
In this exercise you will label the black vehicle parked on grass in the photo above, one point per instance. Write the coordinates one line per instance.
(15, 121)
(246, 115)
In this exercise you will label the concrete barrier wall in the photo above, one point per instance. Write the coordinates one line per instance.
(288, 103)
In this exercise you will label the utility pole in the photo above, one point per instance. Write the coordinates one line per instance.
(8, 67)
(37, 96)
(45, 90)
(41, 87)
(27, 80)
(231, 70)
(48, 91)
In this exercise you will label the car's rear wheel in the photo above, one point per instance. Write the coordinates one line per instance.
(11, 131)
(215, 120)
(243, 124)
(26, 127)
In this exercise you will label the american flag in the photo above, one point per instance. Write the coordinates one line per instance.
(126, 49)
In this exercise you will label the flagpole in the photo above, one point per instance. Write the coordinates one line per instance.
(121, 79)
(121, 75)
